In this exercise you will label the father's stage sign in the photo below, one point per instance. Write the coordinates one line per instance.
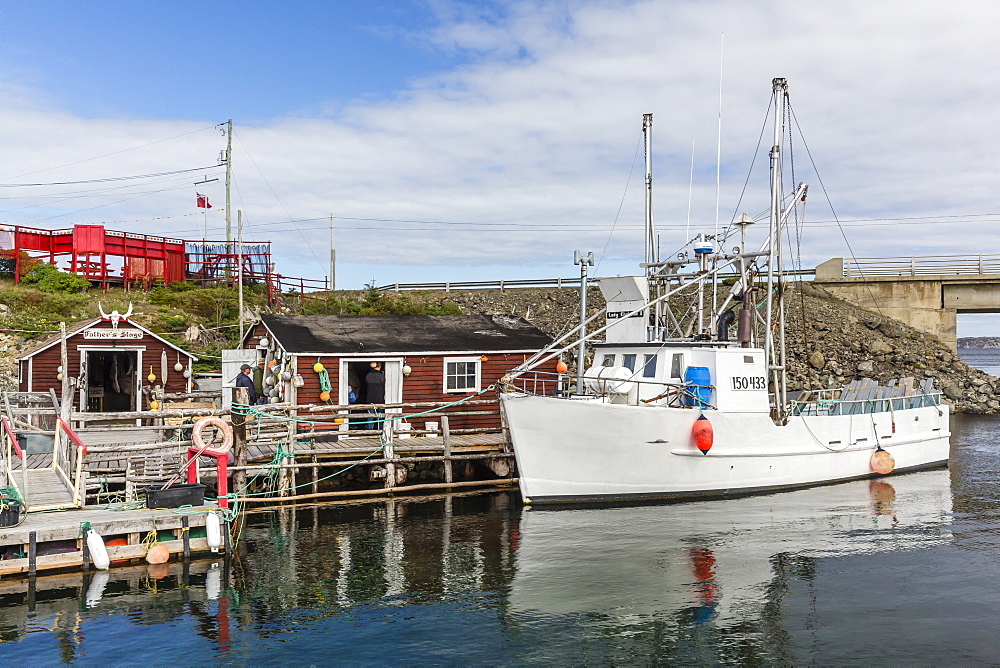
(105, 334)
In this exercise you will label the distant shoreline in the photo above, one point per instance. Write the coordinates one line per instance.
(978, 342)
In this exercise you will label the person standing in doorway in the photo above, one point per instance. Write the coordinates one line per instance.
(375, 392)
(258, 380)
(243, 380)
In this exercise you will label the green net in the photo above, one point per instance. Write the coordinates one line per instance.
(10, 492)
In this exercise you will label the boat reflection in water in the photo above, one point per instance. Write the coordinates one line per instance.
(716, 560)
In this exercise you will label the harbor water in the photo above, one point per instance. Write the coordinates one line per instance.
(899, 570)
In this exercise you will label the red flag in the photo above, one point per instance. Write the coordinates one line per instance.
(203, 201)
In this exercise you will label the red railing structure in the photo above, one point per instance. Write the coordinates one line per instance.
(107, 258)
(221, 463)
(99, 255)
(13, 438)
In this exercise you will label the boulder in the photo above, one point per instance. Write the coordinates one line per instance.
(879, 347)
(953, 392)
(816, 360)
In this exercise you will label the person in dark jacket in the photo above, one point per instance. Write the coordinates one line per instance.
(375, 392)
(244, 380)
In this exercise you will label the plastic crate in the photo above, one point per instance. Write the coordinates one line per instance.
(175, 496)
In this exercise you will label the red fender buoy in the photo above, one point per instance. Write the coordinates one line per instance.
(702, 434)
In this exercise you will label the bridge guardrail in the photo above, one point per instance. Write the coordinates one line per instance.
(526, 283)
(921, 265)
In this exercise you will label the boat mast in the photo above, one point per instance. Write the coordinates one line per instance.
(651, 254)
(775, 351)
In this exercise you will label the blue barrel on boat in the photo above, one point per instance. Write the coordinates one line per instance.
(699, 381)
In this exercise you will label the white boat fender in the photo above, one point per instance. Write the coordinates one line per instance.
(882, 462)
(213, 531)
(95, 592)
(98, 552)
(218, 423)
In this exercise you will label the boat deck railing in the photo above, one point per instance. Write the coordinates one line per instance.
(563, 385)
(866, 396)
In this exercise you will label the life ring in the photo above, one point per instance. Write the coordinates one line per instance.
(218, 423)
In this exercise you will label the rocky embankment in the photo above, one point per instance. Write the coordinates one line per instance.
(830, 342)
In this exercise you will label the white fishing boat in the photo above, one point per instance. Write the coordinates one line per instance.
(672, 408)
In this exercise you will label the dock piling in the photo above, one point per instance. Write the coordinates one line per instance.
(32, 553)
(186, 530)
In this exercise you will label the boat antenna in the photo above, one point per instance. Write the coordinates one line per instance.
(687, 228)
(718, 186)
(718, 149)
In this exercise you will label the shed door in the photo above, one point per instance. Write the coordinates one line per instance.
(232, 360)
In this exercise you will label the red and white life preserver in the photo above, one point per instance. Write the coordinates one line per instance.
(224, 428)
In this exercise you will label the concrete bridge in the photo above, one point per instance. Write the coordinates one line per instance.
(924, 292)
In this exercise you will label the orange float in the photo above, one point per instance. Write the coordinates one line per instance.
(702, 434)
(561, 367)
(882, 462)
(158, 554)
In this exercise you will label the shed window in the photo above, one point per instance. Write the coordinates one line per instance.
(462, 374)
(649, 366)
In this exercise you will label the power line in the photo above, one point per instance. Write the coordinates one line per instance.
(124, 150)
(109, 179)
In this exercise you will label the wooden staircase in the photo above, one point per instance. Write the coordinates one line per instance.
(45, 480)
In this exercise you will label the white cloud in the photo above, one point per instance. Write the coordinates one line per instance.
(538, 130)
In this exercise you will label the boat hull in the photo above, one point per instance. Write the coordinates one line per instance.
(570, 451)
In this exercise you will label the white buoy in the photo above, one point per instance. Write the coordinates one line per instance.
(213, 530)
(98, 553)
(213, 582)
(96, 589)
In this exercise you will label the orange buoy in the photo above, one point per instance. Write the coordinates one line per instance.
(882, 462)
(561, 367)
(702, 434)
(324, 396)
(158, 554)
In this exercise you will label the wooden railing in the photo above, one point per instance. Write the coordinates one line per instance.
(68, 461)
(11, 444)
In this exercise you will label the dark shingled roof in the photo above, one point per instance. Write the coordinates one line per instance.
(363, 334)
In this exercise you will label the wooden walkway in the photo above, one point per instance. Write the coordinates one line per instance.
(47, 490)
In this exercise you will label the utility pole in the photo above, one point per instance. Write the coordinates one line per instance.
(333, 259)
(229, 175)
(239, 266)
(584, 261)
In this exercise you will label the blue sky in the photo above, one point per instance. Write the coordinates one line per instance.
(483, 140)
(247, 60)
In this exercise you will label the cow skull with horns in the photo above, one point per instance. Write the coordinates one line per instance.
(115, 317)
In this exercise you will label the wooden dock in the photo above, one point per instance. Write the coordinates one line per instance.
(56, 538)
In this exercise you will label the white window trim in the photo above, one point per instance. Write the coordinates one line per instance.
(465, 390)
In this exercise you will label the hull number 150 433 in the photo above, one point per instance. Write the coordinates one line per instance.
(749, 383)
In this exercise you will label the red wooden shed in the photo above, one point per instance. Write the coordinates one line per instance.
(424, 357)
